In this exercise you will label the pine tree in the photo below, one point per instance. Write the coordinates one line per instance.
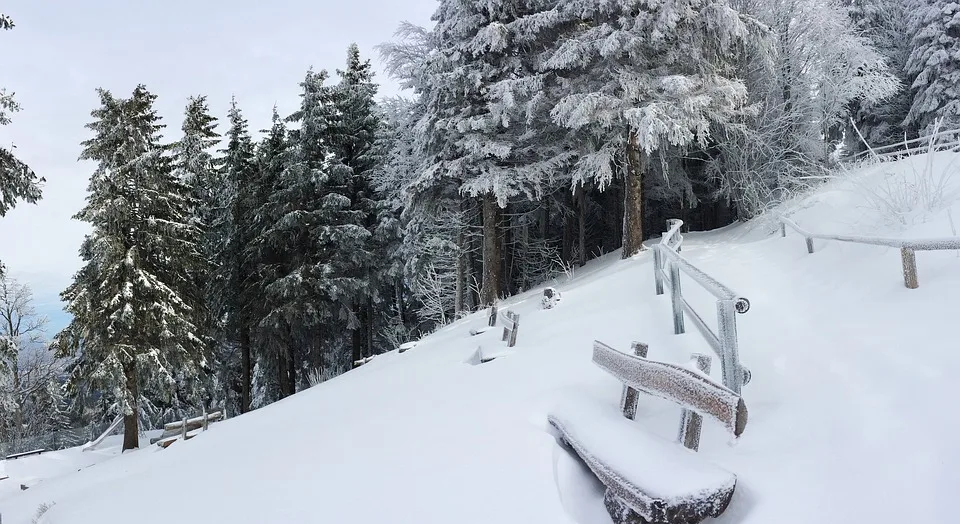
(355, 154)
(233, 233)
(17, 180)
(934, 66)
(135, 312)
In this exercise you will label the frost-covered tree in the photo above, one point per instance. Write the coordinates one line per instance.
(17, 180)
(934, 65)
(21, 332)
(135, 310)
(470, 146)
(804, 76)
(639, 79)
(233, 232)
(886, 25)
(352, 136)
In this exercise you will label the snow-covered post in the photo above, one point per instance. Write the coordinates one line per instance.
(513, 331)
(658, 269)
(690, 421)
(909, 258)
(783, 229)
(492, 319)
(810, 245)
(628, 401)
(206, 420)
(675, 298)
(183, 429)
(729, 353)
(670, 223)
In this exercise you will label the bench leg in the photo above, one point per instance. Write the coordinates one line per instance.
(619, 511)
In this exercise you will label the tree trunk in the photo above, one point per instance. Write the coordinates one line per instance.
(357, 336)
(461, 298)
(582, 226)
(508, 245)
(246, 372)
(633, 199)
(131, 425)
(491, 251)
(569, 224)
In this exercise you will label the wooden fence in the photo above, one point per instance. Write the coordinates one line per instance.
(948, 140)
(908, 248)
(724, 342)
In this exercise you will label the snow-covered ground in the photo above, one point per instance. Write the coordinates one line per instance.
(852, 403)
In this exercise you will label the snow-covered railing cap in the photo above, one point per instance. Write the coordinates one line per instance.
(908, 247)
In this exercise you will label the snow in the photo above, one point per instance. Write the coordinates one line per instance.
(852, 402)
(661, 468)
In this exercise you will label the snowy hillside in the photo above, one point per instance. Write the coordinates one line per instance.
(852, 398)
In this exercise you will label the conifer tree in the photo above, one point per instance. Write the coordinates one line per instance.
(355, 154)
(934, 66)
(17, 180)
(135, 314)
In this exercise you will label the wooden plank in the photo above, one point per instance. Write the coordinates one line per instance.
(676, 384)
(629, 497)
(196, 422)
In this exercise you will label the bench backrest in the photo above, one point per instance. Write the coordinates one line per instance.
(688, 388)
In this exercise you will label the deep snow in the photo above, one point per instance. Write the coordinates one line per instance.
(852, 398)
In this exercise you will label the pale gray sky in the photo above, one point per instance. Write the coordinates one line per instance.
(62, 50)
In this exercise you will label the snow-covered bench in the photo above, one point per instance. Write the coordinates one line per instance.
(650, 479)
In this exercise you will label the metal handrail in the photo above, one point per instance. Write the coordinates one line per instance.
(908, 247)
(724, 341)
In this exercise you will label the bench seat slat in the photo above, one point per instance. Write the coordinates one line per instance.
(656, 478)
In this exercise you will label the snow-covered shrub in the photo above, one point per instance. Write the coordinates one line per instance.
(551, 297)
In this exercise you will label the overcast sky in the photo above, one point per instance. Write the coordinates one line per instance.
(61, 50)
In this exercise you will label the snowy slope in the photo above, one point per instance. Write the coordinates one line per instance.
(852, 402)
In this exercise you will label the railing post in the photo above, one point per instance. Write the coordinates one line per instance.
(810, 245)
(658, 268)
(670, 223)
(675, 298)
(729, 353)
(492, 319)
(690, 421)
(909, 258)
(628, 401)
(783, 230)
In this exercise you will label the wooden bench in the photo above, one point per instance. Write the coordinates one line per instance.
(186, 429)
(650, 479)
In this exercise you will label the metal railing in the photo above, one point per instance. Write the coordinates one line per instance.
(724, 341)
(908, 248)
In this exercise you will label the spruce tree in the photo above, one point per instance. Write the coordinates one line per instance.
(17, 180)
(233, 233)
(355, 154)
(135, 311)
(934, 66)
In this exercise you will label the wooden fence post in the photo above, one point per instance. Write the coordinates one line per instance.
(809, 245)
(658, 269)
(628, 401)
(729, 352)
(670, 223)
(675, 298)
(506, 326)
(513, 332)
(183, 430)
(783, 230)
(909, 258)
(492, 319)
(206, 420)
(690, 421)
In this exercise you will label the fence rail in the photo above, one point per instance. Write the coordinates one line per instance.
(724, 341)
(908, 247)
(940, 141)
